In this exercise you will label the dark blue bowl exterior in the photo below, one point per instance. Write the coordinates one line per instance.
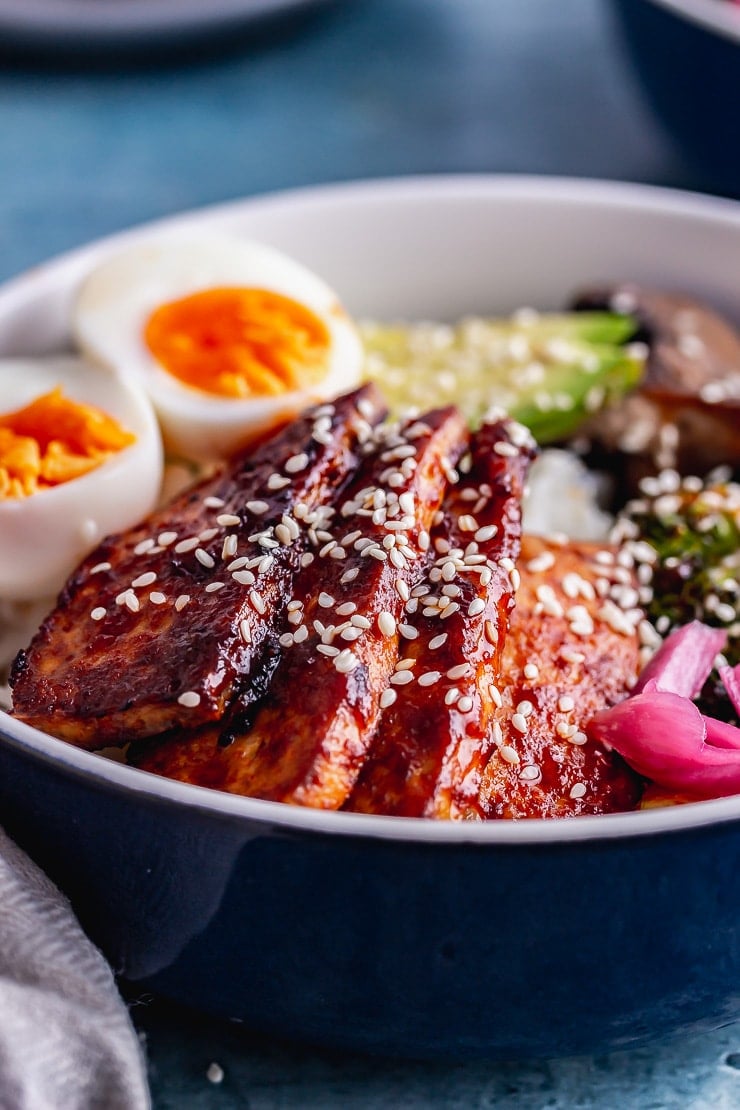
(393, 948)
(692, 77)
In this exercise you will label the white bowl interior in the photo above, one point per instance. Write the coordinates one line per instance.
(435, 247)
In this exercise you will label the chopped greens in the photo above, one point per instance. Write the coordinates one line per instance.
(548, 371)
(687, 532)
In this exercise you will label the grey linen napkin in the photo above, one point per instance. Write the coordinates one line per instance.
(66, 1040)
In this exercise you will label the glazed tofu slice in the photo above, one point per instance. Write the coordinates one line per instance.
(433, 739)
(572, 649)
(158, 626)
(309, 736)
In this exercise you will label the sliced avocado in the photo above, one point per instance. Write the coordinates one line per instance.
(548, 371)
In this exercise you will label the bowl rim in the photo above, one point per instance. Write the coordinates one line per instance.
(111, 775)
(719, 16)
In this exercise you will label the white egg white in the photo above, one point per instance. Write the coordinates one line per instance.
(118, 297)
(45, 535)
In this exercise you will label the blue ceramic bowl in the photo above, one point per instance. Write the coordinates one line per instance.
(687, 54)
(392, 935)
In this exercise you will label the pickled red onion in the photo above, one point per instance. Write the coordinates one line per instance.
(731, 681)
(659, 731)
(683, 661)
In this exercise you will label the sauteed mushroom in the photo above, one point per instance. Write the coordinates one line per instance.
(686, 411)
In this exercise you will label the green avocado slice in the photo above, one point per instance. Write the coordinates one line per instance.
(549, 371)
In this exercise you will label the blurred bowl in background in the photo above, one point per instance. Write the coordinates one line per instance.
(687, 54)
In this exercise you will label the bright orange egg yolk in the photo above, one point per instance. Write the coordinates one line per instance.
(239, 342)
(53, 440)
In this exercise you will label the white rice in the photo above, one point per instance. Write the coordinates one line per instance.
(563, 498)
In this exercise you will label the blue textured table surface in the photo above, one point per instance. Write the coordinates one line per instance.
(365, 88)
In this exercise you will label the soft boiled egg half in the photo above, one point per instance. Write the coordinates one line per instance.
(228, 337)
(80, 457)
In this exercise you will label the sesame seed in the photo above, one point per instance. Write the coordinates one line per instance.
(187, 545)
(408, 631)
(402, 678)
(525, 708)
(360, 622)
(467, 523)
(565, 704)
(282, 534)
(307, 558)
(429, 678)
(157, 598)
(506, 450)
(578, 790)
(189, 699)
(350, 634)
(213, 502)
(402, 589)
(98, 613)
(296, 463)
(277, 482)
(300, 634)
(476, 607)
(144, 546)
(532, 671)
(438, 641)
(386, 623)
(214, 587)
(228, 550)
(578, 738)
(449, 610)
(541, 563)
(346, 661)
(491, 633)
(495, 695)
(509, 754)
(326, 600)
(204, 558)
(258, 602)
(327, 649)
(564, 730)
(286, 640)
(465, 704)
(452, 695)
(258, 508)
(387, 698)
(243, 577)
(449, 570)
(486, 533)
(99, 567)
(131, 602)
(144, 580)
(459, 671)
(519, 722)
(215, 1073)
(181, 602)
(164, 539)
(228, 520)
